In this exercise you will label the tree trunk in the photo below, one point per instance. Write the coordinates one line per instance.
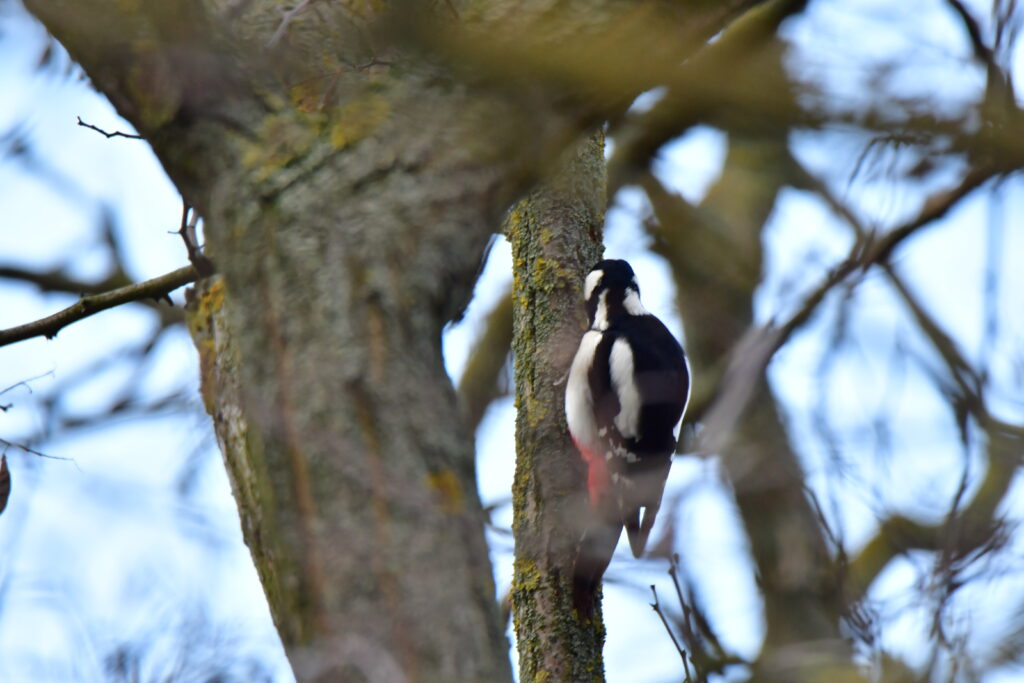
(345, 238)
(556, 238)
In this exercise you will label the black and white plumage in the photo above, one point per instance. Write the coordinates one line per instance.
(627, 390)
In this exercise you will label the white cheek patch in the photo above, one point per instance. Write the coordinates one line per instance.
(632, 303)
(623, 381)
(591, 283)
(579, 404)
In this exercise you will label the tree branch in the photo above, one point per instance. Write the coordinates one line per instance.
(31, 451)
(58, 281)
(656, 606)
(556, 236)
(157, 288)
(480, 384)
(710, 84)
(752, 353)
(115, 134)
(974, 526)
(877, 250)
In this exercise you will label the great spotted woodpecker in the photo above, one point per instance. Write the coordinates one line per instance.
(627, 390)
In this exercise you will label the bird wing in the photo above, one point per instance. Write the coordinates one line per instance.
(653, 388)
(606, 406)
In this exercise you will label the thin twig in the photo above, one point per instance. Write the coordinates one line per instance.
(692, 609)
(814, 184)
(656, 606)
(115, 134)
(25, 382)
(962, 372)
(982, 52)
(157, 288)
(32, 451)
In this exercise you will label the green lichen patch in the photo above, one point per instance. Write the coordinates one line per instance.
(446, 484)
(282, 139)
(358, 119)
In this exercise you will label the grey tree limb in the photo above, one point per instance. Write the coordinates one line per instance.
(156, 288)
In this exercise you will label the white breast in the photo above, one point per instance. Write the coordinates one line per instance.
(579, 404)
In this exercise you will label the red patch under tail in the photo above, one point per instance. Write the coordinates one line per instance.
(598, 482)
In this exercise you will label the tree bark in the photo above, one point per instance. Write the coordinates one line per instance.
(556, 236)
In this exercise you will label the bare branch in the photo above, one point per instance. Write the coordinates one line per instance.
(998, 79)
(656, 606)
(32, 451)
(480, 383)
(115, 134)
(935, 207)
(812, 183)
(130, 409)
(695, 98)
(968, 529)
(57, 281)
(752, 353)
(695, 629)
(25, 382)
(965, 376)
(877, 250)
(157, 288)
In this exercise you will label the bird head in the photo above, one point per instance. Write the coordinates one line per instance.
(610, 291)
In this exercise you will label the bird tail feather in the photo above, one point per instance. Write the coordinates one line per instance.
(639, 531)
(594, 553)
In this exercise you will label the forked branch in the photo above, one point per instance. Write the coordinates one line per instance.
(157, 288)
